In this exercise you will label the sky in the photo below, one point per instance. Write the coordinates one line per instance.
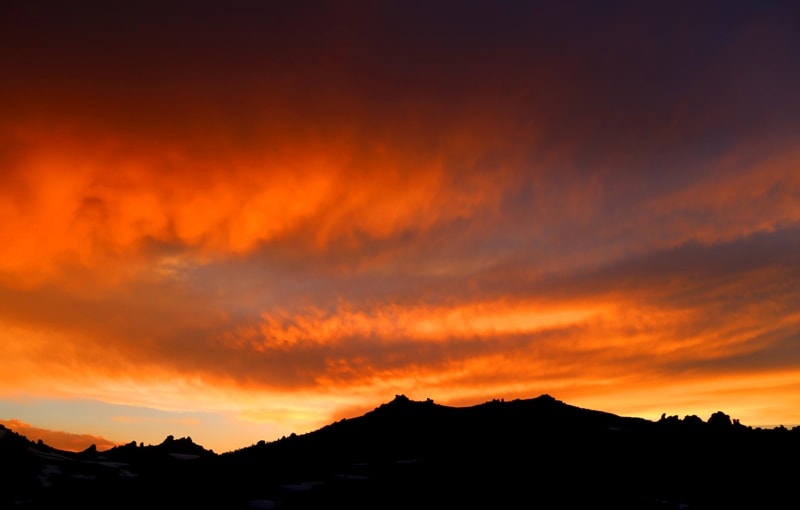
(238, 220)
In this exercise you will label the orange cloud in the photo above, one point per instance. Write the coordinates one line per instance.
(669, 312)
(57, 438)
(103, 207)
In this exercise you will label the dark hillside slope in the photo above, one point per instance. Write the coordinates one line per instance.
(504, 453)
(537, 453)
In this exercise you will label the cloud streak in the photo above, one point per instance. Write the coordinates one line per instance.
(57, 438)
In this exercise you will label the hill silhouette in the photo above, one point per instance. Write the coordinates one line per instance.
(534, 453)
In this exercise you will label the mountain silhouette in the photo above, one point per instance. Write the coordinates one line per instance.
(534, 453)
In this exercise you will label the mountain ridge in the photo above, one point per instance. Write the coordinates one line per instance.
(493, 454)
(402, 401)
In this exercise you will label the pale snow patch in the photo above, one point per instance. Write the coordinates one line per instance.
(184, 456)
(48, 471)
(115, 465)
(47, 455)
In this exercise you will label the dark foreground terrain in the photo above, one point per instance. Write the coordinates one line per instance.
(537, 453)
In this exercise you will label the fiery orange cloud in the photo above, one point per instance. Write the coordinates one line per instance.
(57, 438)
(634, 327)
(102, 207)
(421, 324)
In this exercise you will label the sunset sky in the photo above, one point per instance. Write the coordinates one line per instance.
(238, 220)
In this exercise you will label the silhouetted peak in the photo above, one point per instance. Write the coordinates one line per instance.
(91, 449)
(693, 420)
(399, 402)
(544, 401)
(183, 441)
(403, 401)
(402, 405)
(546, 397)
(720, 420)
(183, 445)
